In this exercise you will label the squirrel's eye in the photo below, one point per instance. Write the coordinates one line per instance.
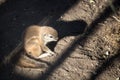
(51, 36)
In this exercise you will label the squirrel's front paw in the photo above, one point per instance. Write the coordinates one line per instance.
(44, 55)
(52, 53)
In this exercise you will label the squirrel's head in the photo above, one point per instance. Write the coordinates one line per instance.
(49, 34)
(49, 38)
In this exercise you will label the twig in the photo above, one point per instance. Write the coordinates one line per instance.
(116, 18)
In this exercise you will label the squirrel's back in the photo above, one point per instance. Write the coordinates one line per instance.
(36, 37)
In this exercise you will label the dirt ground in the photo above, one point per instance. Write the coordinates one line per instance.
(89, 38)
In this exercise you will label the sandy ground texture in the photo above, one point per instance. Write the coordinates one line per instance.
(89, 39)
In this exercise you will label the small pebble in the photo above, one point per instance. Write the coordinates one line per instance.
(118, 78)
(92, 1)
(107, 53)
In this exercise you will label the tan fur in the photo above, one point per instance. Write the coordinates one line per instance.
(34, 40)
(27, 62)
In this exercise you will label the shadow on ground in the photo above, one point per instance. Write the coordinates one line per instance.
(102, 17)
(105, 65)
(35, 13)
(15, 16)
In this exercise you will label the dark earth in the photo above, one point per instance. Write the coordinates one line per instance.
(89, 39)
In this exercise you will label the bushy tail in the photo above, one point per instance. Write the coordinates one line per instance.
(26, 62)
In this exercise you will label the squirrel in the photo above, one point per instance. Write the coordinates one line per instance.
(35, 39)
(34, 45)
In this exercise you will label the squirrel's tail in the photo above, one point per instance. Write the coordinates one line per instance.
(26, 62)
